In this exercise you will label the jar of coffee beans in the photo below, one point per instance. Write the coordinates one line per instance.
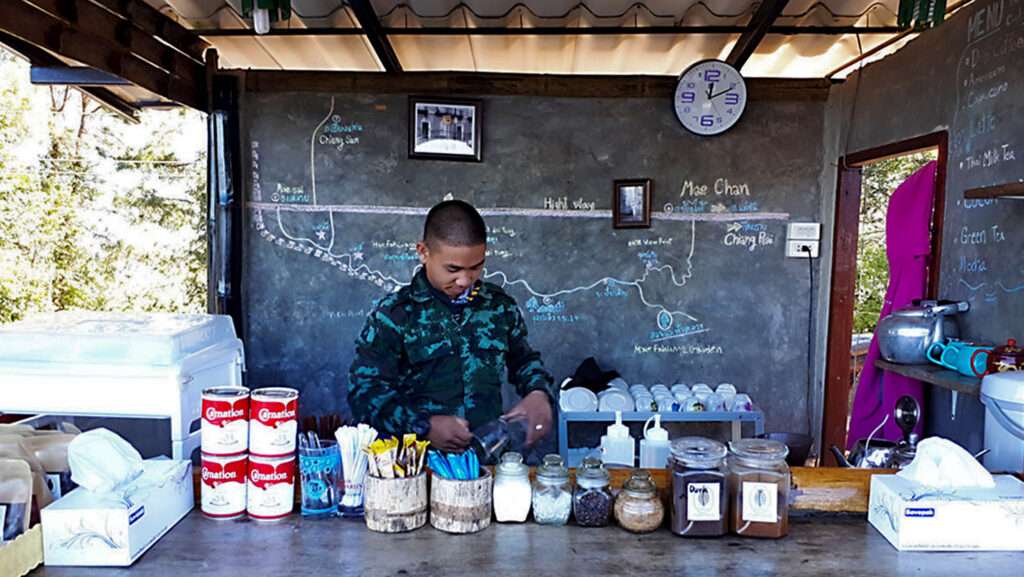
(592, 499)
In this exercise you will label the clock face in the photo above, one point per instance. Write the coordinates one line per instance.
(710, 97)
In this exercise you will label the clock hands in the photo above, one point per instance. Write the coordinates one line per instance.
(717, 94)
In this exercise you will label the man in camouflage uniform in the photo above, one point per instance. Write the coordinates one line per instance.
(431, 356)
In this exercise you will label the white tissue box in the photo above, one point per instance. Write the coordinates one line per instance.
(86, 529)
(914, 518)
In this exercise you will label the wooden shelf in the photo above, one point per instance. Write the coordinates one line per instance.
(816, 489)
(1009, 190)
(935, 375)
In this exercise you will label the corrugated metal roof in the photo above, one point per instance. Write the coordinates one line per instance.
(636, 52)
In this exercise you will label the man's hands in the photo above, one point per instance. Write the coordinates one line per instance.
(535, 409)
(448, 433)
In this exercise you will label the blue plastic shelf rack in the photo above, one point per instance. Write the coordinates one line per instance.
(573, 456)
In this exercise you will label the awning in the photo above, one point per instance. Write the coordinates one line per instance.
(809, 39)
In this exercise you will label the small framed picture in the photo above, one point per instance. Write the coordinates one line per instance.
(631, 203)
(445, 128)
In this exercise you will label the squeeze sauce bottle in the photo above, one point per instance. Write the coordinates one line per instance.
(654, 447)
(617, 446)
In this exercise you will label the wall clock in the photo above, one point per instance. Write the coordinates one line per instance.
(710, 97)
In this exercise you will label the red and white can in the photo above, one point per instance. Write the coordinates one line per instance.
(225, 427)
(224, 484)
(271, 488)
(273, 423)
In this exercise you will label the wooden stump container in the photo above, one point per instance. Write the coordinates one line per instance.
(461, 506)
(395, 505)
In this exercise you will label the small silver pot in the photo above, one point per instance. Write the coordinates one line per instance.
(905, 335)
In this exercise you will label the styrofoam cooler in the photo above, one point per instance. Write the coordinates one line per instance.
(148, 365)
(1003, 396)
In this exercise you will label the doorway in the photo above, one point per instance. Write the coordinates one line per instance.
(859, 201)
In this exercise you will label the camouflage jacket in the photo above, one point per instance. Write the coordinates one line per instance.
(415, 359)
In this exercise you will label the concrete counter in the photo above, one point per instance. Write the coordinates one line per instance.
(818, 545)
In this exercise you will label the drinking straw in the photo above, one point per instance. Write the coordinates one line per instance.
(439, 465)
(474, 464)
(458, 463)
(351, 441)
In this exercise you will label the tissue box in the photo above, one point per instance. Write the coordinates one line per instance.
(914, 518)
(87, 529)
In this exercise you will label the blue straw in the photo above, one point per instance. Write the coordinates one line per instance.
(438, 465)
(474, 465)
(455, 462)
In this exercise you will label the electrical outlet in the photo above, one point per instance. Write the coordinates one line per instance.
(795, 248)
(803, 231)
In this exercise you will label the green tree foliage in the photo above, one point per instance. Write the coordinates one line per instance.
(96, 213)
(879, 180)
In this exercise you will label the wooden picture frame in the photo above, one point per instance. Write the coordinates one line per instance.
(445, 128)
(631, 203)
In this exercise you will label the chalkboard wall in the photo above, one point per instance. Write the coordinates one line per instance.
(967, 77)
(334, 207)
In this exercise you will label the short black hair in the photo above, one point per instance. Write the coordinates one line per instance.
(455, 223)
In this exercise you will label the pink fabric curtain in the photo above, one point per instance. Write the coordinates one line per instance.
(908, 246)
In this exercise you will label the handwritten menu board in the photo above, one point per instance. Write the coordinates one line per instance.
(984, 238)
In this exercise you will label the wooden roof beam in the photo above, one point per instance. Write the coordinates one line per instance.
(760, 22)
(38, 56)
(90, 18)
(371, 25)
(575, 31)
(153, 22)
(76, 31)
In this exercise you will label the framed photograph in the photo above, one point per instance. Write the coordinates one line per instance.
(445, 128)
(631, 203)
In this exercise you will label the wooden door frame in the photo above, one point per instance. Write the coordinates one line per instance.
(844, 269)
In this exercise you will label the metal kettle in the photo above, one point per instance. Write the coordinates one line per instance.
(905, 335)
(881, 453)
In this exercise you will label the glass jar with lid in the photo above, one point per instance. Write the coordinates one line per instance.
(759, 486)
(512, 490)
(592, 499)
(638, 508)
(700, 496)
(552, 492)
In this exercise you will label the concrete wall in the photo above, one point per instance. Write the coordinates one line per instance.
(965, 77)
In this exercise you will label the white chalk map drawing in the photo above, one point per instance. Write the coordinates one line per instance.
(321, 244)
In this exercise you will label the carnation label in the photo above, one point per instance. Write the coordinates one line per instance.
(271, 488)
(225, 427)
(224, 486)
(273, 425)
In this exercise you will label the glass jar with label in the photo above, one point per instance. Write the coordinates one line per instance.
(512, 490)
(700, 496)
(592, 500)
(638, 507)
(552, 492)
(759, 487)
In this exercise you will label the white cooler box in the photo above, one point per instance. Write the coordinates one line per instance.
(148, 365)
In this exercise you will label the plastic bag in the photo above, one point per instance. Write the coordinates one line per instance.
(52, 453)
(15, 498)
(13, 447)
